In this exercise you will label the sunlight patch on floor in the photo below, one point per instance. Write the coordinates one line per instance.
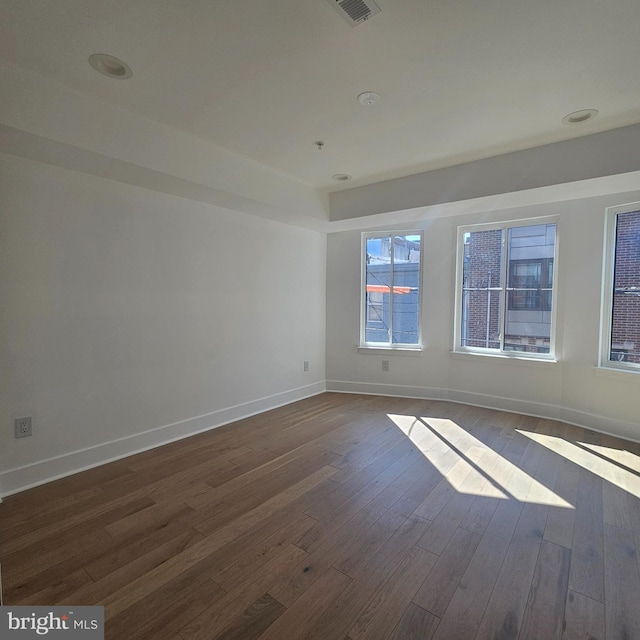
(625, 458)
(479, 470)
(609, 471)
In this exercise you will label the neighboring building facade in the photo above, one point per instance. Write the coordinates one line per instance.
(625, 326)
(403, 327)
(528, 290)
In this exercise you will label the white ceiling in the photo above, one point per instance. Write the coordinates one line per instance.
(458, 79)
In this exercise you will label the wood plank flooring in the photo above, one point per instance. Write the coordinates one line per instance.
(345, 517)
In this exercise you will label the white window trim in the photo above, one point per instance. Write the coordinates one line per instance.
(408, 350)
(606, 306)
(457, 315)
(379, 347)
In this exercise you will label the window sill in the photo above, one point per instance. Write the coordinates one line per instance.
(387, 351)
(515, 359)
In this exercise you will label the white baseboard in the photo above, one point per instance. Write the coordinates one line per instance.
(31, 475)
(43, 471)
(400, 391)
(591, 421)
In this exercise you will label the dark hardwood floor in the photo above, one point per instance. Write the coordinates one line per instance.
(345, 517)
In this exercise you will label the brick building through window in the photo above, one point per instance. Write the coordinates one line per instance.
(524, 283)
(625, 316)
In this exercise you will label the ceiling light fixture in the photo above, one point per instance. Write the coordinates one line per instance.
(578, 117)
(110, 66)
(341, 177)
(368, 98)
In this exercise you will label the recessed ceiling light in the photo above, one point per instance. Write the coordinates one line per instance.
(368, 98)
(578, 117)
(341, 177)
(110, 66)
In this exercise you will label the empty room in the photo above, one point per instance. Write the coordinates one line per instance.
(320, 319)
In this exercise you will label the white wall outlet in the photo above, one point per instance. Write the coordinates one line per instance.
(306, 365)
(385, 365)
(22, 427)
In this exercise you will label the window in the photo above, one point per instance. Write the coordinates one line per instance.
(505, 288)
(391, 273)
(531, 284)
(621, 343)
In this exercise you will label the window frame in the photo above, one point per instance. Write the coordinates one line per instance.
(505, 225)
(363, 345)
(608, 289)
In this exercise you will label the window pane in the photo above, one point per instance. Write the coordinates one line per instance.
(378, 281)
(530, 288)
(625, 325)
(406, 285)
(482, 289)
(392, 290)
(549, 285)
(507, 288)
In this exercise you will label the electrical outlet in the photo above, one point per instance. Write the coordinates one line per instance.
(306, 365)
(22, 427)
(385, 365)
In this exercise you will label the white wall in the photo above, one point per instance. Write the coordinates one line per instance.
(142, 302)
(131, 317)
(609, 153)
(572, 389)
(101, 138)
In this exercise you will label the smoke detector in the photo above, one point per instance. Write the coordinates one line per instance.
(368, 98)
(355, 12)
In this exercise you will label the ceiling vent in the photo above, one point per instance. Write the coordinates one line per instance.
(355, 12)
